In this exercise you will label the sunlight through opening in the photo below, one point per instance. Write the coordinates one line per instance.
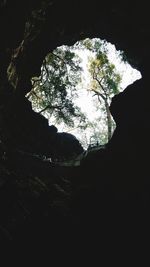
(76, 86)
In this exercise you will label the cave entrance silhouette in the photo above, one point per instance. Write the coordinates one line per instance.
(76, 87)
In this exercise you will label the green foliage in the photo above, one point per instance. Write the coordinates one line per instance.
(93, 45)
(104, 78)
(103, 73)
(53, 92)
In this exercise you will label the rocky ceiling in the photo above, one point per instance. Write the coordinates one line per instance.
(30, 29)
(109, 184)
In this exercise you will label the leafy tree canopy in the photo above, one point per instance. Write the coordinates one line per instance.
(104, 79)
(53, 92)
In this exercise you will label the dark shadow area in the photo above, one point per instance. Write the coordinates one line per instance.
(101, 207)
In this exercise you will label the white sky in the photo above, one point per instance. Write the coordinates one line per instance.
(129, 75)
(85, 98)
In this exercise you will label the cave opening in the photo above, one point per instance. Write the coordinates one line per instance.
(106, 200)
(76, 86)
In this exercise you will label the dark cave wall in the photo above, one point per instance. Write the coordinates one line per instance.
(111, 185)
(33, 28)
(29, 33)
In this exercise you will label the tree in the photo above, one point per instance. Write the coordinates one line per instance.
(104, 79)
(53, 92)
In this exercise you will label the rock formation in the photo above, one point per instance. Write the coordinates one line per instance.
(107, 198)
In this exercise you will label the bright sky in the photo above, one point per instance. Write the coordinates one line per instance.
(85, 98)
(129, 75)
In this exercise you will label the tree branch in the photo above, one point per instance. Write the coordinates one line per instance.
(99, 94)
(50, 107)
(32, 92)
(99, 82)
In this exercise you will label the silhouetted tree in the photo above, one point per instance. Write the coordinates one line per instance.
(53, 92)
(104, 78)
